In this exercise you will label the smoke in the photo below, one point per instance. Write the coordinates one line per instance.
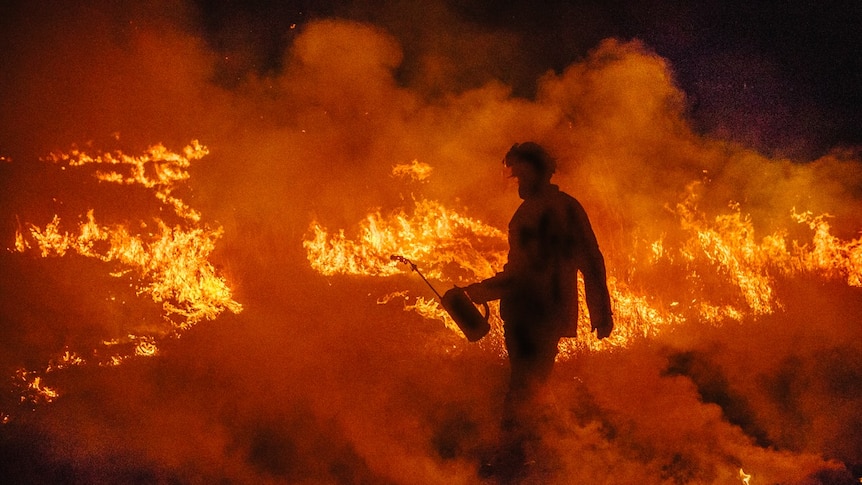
(315, 382)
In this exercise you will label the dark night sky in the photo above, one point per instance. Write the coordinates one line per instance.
(783, 79)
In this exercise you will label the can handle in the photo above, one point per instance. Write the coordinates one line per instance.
(487, 314)
(484, 304)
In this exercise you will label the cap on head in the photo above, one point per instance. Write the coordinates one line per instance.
(533, 154)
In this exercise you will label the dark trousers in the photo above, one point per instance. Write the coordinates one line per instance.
(532, 350)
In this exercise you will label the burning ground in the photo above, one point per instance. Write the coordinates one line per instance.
(197, 284)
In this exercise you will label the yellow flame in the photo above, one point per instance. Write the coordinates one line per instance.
(48, 393)
(158, 168)
(68, 358)
(172, 261)
(728, 242)
(33, 391)
(431, 234)
(828, 254)
(415, 170)
(146, 348)
(744, 477)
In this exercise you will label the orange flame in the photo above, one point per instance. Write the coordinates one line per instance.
(828, 254)
(158, 168)
(173, 261)
(431, 233)
(415, 170)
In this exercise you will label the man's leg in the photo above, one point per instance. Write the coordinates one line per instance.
(531, 359)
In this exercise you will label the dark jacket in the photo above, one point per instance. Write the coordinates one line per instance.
(550, 240)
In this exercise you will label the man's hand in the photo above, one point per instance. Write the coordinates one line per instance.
(478, 293)
(603, 325)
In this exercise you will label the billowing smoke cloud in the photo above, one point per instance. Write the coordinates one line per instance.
(315, 382)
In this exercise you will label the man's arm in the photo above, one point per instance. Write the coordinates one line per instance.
(489, 289)
(592, 266)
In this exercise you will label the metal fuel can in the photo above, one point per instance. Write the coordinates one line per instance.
(467, 316)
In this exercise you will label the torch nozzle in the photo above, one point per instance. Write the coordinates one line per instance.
(412, 265)
(400, 259)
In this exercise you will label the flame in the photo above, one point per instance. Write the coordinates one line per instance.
(158, 168)
(728, 245)
(67, 359)
(416, 170)
(171, 262)
(731, 272)
(431, 233)
(32, 389)
(745, 477)
(828, 254)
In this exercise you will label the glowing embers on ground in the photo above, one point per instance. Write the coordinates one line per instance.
(710, 271)
(168, 263)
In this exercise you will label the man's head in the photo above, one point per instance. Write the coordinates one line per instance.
(532, 165)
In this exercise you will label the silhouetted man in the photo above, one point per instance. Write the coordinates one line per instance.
(550, 240)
